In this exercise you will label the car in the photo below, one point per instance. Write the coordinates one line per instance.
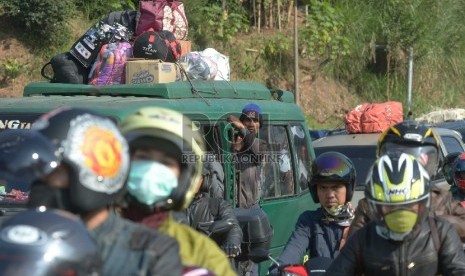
(458, 125)
(361, 149)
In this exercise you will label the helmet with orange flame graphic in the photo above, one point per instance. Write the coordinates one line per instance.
(95, 152)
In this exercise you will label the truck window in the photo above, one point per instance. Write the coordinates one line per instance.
(302, 156)
(212, 139)
(277, 171)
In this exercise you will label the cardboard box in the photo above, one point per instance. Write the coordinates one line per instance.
(150, 71)
(185, 46)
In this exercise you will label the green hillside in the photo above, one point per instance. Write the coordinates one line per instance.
(349, 51)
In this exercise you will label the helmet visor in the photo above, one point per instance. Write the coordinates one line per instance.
(427, 155)
(25, 156)
(25, 263)
(331, 168)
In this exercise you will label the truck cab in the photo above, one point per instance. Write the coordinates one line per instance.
(207, 104)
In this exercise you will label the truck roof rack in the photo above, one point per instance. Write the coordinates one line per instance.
(173, 90)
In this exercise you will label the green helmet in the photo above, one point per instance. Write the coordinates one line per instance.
(173, 132)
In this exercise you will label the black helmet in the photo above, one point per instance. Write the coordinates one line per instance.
(47, 242)
(413, 138)
(332, 166)
(25, 156)
(448, 166)
(94, 150)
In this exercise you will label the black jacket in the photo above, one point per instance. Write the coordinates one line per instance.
(442, 205)
(128, 248)
(204, 210)
(368, 253)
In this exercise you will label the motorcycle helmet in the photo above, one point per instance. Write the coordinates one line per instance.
(25, 156)
(47, 243)
(95, 152)
(398, 194)
(171, 132)
(413, 138)
(448, 167)
(459, 172)
(332, 166)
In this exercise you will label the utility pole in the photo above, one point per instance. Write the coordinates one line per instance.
(410, 83)
(296, 57)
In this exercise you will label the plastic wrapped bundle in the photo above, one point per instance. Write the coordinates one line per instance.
(199, 67)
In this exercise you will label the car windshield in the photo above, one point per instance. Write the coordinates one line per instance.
(362, 157)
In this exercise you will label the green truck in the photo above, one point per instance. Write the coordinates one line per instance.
(207, 103)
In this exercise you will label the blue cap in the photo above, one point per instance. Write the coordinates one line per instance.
(252, 110)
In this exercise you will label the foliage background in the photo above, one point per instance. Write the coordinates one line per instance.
(359, 48)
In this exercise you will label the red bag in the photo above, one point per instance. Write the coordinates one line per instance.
(375, 117)
(162, 15)
(353, 118)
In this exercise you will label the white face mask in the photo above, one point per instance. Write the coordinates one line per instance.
(151, 182)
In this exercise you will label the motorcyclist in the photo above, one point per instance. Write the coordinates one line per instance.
(81, 165)
(47, 243)
(420, 141)
(322, 232)
(166, 166)
(401, 239)
(205, 210)
(447, 167)
(458, 176)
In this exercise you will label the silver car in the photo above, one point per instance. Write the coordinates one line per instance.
(361, 149)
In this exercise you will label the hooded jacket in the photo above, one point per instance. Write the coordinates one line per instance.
(195, 249)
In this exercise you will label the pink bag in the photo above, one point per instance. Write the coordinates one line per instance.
(109, 67)
(162, 15)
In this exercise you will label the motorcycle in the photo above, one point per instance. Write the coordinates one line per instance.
(314, 266)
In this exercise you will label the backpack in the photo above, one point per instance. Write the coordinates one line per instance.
(109, 68)
(87, 47)
(157, 45)
(161, 15)
(213, 178)
(66, 69)
(127, 18)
